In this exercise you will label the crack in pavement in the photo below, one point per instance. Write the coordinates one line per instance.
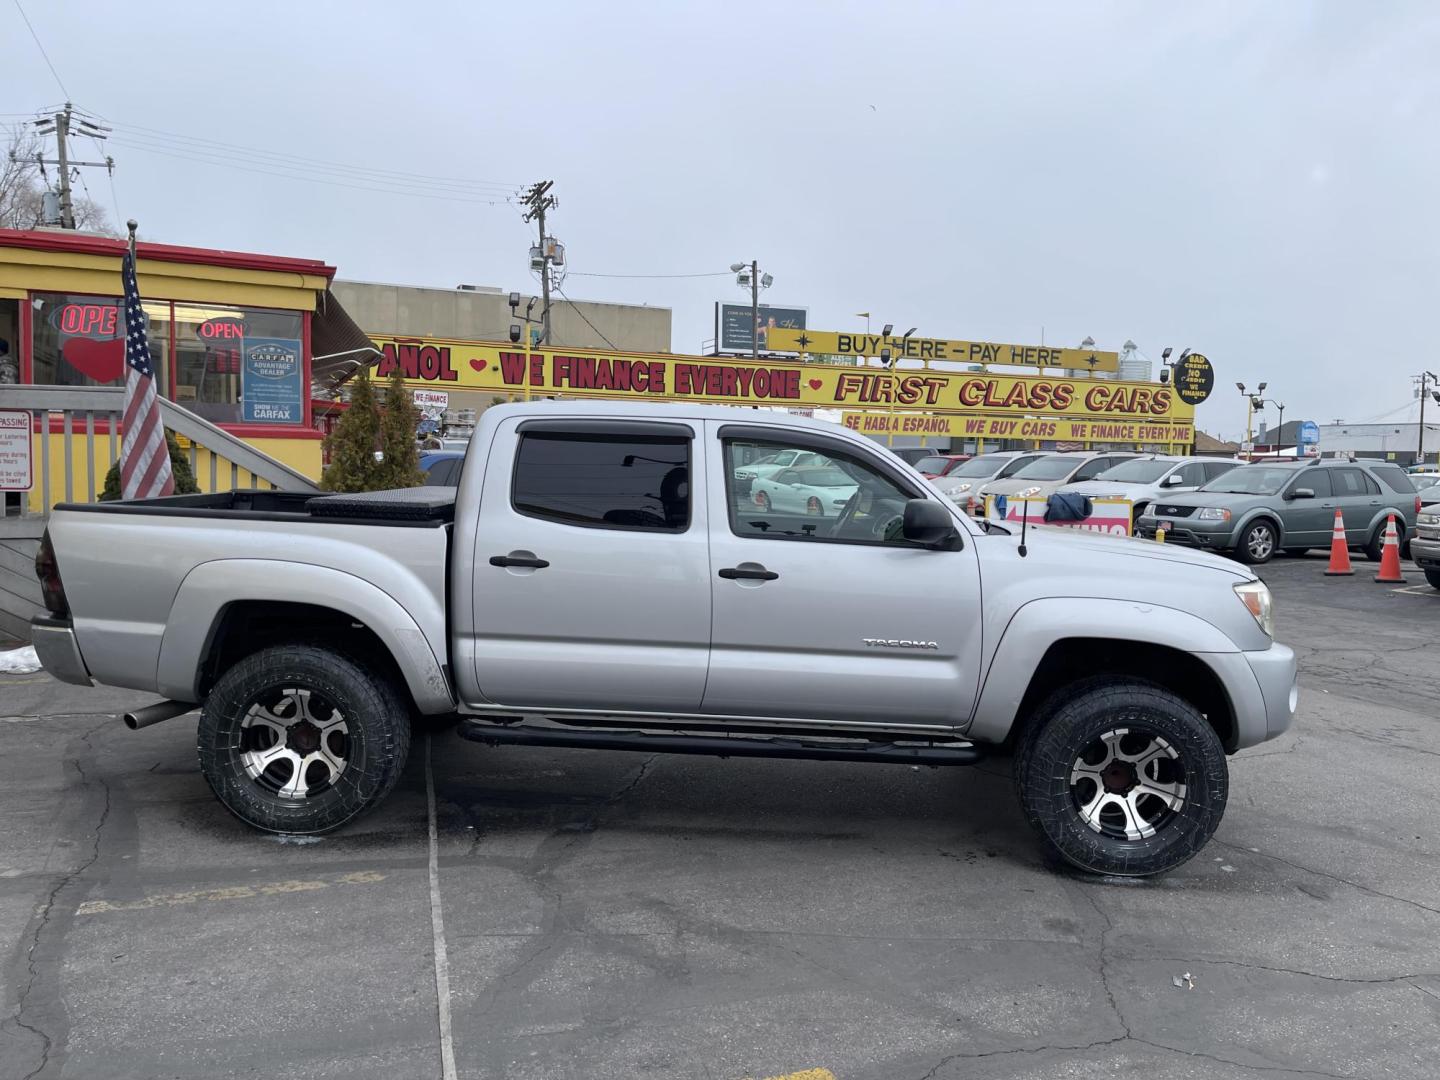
(48, 908)
(1332, 877)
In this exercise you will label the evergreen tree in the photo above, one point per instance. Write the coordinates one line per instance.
(353, 443)
(401, 467)
(179, 468)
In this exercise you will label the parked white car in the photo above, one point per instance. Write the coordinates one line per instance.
(781, 459)
(820, 491)
(959, 485)
(1143, 480)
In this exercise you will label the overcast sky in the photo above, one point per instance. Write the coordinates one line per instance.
(1257, 181)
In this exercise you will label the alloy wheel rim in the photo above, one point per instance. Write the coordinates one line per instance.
(1260, 543)
(1128, 784)
(295, 743)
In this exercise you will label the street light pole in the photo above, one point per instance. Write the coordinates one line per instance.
(1433, 379)
(1280, 434)
(755, 309)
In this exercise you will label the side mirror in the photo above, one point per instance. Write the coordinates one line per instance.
(928, 523)
(1173, 480)
(1303, 493)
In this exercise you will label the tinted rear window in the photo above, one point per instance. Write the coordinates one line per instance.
(616, 482)
(1393, 477)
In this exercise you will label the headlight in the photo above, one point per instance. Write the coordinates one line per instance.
(1028, 492)
(1213, 513)
(1255, 595)
(1428, 519)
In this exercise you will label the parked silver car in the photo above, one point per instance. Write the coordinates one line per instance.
(1047, 475)
(968, 478)
(1143, 480)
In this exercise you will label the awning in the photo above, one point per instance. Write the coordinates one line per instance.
(338, 347)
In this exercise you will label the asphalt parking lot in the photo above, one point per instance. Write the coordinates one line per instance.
(615, 916)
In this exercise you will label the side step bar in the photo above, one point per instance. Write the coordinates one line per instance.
(955, 753)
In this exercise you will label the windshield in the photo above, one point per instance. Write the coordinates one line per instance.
(1049, 468)
(932, 464)
(985, 465)
(1139, 471)
(1251, 480)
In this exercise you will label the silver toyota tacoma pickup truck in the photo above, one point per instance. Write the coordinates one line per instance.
(603, 577)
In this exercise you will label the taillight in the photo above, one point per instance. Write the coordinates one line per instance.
(1417, 504)
(52, 592)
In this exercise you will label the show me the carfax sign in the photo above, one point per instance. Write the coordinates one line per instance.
(508, 369)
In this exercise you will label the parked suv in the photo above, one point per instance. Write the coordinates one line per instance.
(1425, 548)
(1047, 475)
(1145, 479)
(1258, 509)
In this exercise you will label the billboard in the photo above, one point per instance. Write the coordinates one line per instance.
(989, 400)
(961, 352)
(735, 325)
(972, 426)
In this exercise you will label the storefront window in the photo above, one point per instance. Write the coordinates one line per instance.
(239, 365)
(80, 340)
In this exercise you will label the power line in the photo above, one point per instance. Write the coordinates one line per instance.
(716, 273)
(41, 47)
(494, 200)
(154, 137)
(587, 320)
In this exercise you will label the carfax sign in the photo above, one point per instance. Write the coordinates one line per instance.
(272, 381)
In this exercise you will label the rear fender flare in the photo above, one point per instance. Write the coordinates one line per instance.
(209, 588)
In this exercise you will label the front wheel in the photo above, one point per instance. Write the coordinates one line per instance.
(1257, 543)
(300, 739)
(1122, 777)
(1433, 577)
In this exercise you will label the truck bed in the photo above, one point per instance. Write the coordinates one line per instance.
(420, 506)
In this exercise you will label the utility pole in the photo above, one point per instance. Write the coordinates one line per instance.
(1425, 379)
(62, 125)
(538, 199)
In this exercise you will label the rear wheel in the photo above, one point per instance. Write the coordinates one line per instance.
(1433, 577)
(1257, 543)
(812, 506)
(763, 502)
(300, 739)
(1375, 546)
(1121, 777)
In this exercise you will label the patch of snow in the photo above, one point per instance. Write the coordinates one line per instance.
(19, 661)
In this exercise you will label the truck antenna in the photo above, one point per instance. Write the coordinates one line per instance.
(1024, 521)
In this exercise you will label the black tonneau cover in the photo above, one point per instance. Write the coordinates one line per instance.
(401, 504)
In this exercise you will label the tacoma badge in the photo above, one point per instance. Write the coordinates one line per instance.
(898, 643)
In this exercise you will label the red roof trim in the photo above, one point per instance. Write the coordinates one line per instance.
(51, 240)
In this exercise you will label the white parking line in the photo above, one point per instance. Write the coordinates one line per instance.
(1417, 590)
(437, 926)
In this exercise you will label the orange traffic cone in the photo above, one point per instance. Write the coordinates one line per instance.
(1390, 556)
(1339, 553)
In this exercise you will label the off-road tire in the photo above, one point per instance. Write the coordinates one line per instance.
(1072, 719)
(377, 714)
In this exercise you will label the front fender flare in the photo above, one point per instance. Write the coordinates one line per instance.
(1039, 624)
(211, 586)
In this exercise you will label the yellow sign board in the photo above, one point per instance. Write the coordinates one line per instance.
(833, 343)
(438, 364)
(972, 426)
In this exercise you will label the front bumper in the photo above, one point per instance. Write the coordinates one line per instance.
(1190, 532)
(1426, 553)
(1275, 671)
(59, 653)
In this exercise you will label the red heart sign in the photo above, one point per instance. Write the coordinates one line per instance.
(102, 361)
(815, 384)
(478, 365)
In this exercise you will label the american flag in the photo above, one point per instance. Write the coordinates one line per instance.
(144, 457)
